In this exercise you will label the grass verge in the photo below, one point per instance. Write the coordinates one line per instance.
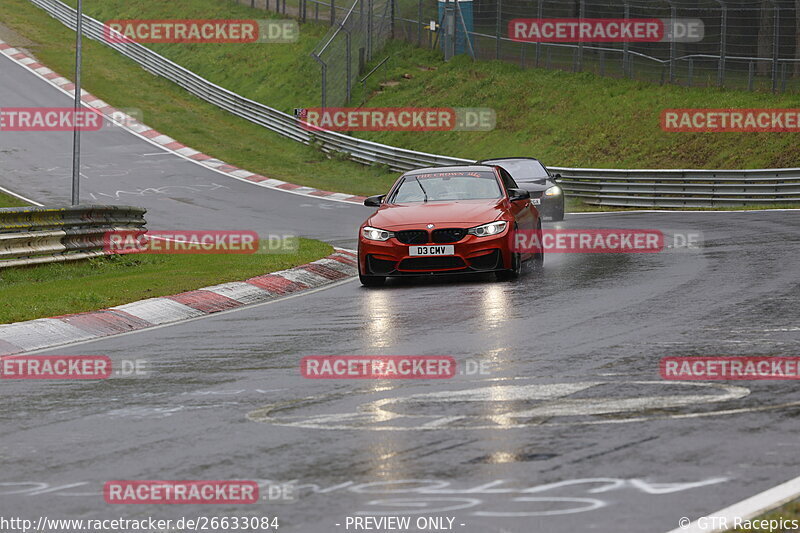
(64, 288)
(6, 200)
(789, 512)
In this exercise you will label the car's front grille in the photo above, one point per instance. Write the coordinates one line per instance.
(431, 263)
(412, 236)
(448, 235)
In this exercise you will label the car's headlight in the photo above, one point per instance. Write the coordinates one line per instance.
(492, 228)
(553, 191)
(376, 234)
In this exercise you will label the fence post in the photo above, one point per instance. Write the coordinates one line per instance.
(626, 58)
(349, 58)
(324, 71)
(581, 16)
(783, 77)
(776, 36)
(369, 29)
(673, 13)
(419, 23)
(333, 12)
(498, 22)
(750, 76)
(723, 41)
(538, 44)
(391, 19)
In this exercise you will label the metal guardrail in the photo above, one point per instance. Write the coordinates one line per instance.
(681, 188)
(641, 188)
(34, 235)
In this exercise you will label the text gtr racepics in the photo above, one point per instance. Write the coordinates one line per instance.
(446, 220)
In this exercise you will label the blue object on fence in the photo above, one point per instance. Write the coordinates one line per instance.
(466, 9)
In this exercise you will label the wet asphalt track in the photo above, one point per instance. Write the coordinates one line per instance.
(526, 448)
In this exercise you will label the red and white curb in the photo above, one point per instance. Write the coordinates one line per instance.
(164, 141)
(43, 333)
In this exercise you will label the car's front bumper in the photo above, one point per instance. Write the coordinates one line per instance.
(471, 254)
(550, 206)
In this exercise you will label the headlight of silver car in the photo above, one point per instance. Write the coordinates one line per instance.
(553, 191)
(492, 228)
(376, 234)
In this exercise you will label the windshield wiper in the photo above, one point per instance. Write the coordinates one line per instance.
(423, 189)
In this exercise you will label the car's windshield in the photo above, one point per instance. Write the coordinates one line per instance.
(441, 186)
(521, 169)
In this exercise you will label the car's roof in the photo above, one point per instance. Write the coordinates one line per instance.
(505, 159)
(453, 168)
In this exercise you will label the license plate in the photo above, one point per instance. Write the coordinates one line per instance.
(536, 201)
(432, 250)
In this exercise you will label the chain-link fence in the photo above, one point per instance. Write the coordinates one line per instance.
(349, 44)
(747, 44)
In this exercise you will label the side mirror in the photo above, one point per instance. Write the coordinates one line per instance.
(374, 201)
(518, 194)
(556, 178)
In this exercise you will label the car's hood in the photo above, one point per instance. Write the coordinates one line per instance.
(464, 213)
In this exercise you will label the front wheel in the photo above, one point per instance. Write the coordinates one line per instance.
(513, 272)
(371, 281)
(538, 258)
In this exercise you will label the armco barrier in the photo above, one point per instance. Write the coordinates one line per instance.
(636, 188)
(681, 188)
(34, 235)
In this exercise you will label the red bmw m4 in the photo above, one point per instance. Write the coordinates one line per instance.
(447, 220)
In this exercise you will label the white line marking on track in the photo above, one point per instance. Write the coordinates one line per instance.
(745, 509)
(23, 198)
